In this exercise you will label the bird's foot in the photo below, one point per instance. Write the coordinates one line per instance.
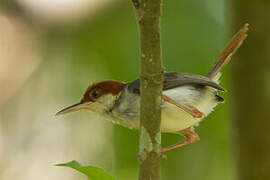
(162, 156)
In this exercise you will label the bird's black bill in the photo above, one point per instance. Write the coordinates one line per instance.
(71, 108)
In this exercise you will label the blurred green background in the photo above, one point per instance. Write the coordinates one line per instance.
(49, 56)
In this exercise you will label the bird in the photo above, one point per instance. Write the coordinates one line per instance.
(186, 98)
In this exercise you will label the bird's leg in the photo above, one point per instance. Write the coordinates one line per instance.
(190, 136)
(193, 111)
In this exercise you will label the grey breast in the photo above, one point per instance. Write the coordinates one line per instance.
(127, 105)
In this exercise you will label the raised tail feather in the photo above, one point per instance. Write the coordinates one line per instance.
(225, 56)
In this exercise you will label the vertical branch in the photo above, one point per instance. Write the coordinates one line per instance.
(148, 14)
(251, 72)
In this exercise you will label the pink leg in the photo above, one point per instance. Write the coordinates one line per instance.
(190, 135)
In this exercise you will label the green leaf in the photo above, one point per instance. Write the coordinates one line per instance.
(92, 173)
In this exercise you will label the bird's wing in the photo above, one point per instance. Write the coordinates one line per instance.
(177, 79)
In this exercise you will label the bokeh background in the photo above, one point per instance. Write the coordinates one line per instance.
(50, 51)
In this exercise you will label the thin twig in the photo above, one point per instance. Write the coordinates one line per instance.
(148, 14)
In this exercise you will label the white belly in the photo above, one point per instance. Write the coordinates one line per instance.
(174, 119)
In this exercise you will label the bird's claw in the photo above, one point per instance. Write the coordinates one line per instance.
(162, 156)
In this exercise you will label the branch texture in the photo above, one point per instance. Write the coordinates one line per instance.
(148, 14)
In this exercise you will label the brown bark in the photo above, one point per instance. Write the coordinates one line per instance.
(148, 14)
(251, 91)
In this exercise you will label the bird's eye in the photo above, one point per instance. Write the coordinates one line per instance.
(95, 94)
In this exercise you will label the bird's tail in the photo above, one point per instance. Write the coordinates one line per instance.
(225, 56)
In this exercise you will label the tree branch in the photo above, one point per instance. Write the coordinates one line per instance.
(148, 14)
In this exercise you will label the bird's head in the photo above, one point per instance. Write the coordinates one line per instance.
(98, 97)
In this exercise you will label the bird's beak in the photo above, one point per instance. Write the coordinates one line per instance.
(72, 108)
